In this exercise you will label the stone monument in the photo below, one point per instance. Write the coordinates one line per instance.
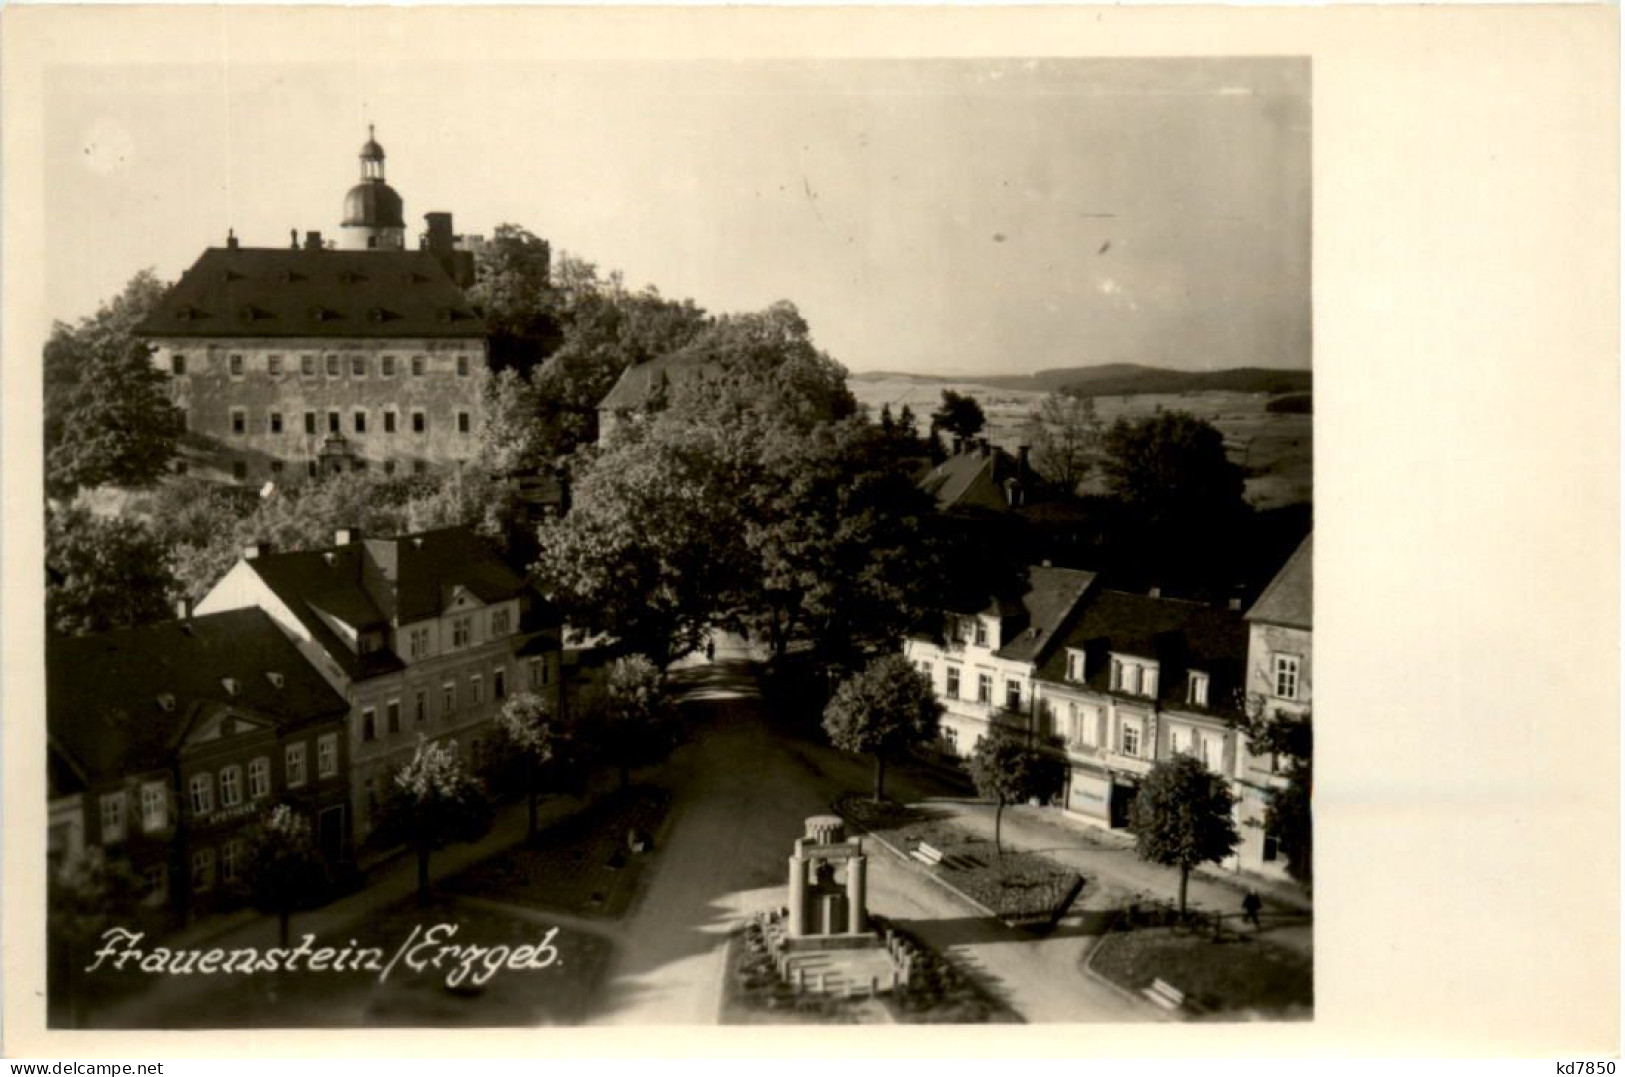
(826, 897)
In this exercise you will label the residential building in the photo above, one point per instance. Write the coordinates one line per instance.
(977, 477)
(983, 664)
(424, 635)
(168, 743)
(1136, 679)
(289, 362)
(1280, 675)
(643, 387)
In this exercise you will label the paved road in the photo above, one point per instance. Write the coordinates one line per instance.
(741, 794)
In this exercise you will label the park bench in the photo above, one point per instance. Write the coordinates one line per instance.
(926, 854)
(1166, 995)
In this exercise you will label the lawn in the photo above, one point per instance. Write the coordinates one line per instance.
(1232, 979)
(559, 994)
(1017, 887)
(582, 864)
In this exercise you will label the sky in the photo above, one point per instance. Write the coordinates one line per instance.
(937, 216)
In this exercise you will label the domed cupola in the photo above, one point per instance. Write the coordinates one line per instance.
(373, 218)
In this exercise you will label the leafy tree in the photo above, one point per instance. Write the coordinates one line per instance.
(1172, 468)
(432, 802)
(285, 868)
(526, 735)
(881, 711)
(629, 721)
(512, 289)
(1065, 434)
(1182, 818)
(87, 894)
(1008, 771)
(1289, 815)
(102, 573)
(960, 415)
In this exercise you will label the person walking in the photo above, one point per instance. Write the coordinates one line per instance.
(1250, 905)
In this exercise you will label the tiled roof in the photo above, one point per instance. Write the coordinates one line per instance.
(637, 383)
(1289, 599)
(1041, 610)
(971, 480)
(120, 703)
(378, 582)
(1181, 636)
(275, 292)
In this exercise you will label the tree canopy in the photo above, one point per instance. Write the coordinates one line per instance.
(1065, 434)
(881, 711)
(1007, 770)
(628, 722)
(432, 802)
(285, 868)
(526, 741)
(959, 415)
(1182, 817)
(103, 573)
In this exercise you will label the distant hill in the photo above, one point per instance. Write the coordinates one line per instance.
(1129, 379)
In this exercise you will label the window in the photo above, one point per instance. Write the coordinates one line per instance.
(358, 366)
(361, 422)
(177, 364)
(500, 622)
(463, 423)
(154, 806)
(1012, 695)
(307, 365)
(239, 421)
(310, 468)
(952, 691)
(202, 870)
(1286, 676)
(1148, 681)
(1173, 740)
(417, 366)
(1272, 846)
(981, 633)
(476, 689)
(462, 366)
(294, 757)
(202, 788)
(276, 467)
(1089, 727)
(310, 422)
(1204, 748)
(984, 688)
(113, 817)
(239, 470)
(538, 673)
(274, 365)
(1198, 689)
(499, 683)
(276, 422)
(1131, 739)
(369, 724)
(420, 422)
(259, 778)
(236, 363)
(950, 739)
(327, 755)
(389, 422)
(386, 366)
(231, 856)
(422, 702)
(332, 422)
(925, 670)
(420, 467)
(448, 698)
(156, 878)
(1075, 666)
(418, 642)
(231, 787)
(392, 715)
(460, 631)
(389, 467)
(332, 366)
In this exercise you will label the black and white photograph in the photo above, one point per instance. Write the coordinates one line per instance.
(681, 540)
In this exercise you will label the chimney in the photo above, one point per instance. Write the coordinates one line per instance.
(1024, 454)
(346, 535)
(256, 549)
(1235, 604)
(313, 241)
(231, 239)
(293, 239)
(438, 237)
(183, 609)
(1155, 592)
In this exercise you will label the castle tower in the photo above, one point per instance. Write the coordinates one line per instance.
(372, 210)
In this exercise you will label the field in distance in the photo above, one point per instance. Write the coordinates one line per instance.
(1277, 450)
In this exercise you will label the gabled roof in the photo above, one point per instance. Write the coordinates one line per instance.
(375, 583)
(1180, 636)
(1289, 599)
(972, 479)
(120, 703)
(1040, 611)
(637, 384)
(275, 292)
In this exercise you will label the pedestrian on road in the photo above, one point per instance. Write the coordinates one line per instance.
(1250, 905)
(710, 650)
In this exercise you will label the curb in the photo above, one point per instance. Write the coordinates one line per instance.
(908, 860)
(1121, 991)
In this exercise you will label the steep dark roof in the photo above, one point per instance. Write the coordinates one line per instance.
(1182, 636)
(972, 480)
(374, 583)
(274, 292)
(1289, 599)
(120, 703)
(637, 384)
(1040, 611)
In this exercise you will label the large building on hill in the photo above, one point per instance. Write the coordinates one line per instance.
(287, 362)
(424, 635)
